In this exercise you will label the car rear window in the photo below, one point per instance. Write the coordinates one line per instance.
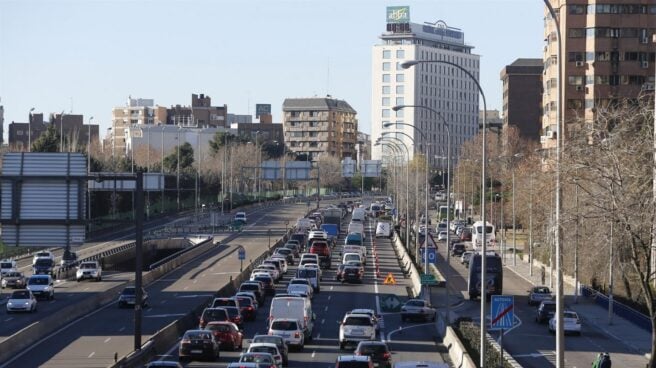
(372, 349)
(215, 314)
(284, 325)
(198, 335)
(358, 321)
(264, 349)
(307, 273)
(225, 302)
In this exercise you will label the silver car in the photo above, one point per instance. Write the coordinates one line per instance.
(418, 309)
(290, 330)
(539, 293)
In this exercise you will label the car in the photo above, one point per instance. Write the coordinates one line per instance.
(240, 217)
(290, 330)
(322, 249)
(352, 274)
(14, 280)
(294, 247)
(254, 287)
(417, 309)
(300, 289)
(354, 361)
(383, 229)
(545, 311)
(250, 295)
(267, 268)
(234, 315)
(246, 365)
(128, 296)
(266, 347)
(571, 323)
(21, 301)
(314, 266)
(287, 253)
(457, 249)
(198, 344)
(277, 262)
(42, 286)
(226, 334)
(43, 266)
(69, 259)
(278, 341)
(339, 273)
(267, 284)
(466, 256)
(379, 352)
(355, 328)
(466, 234)
(356, 264)
(539, 293)
(7, 265)
(420, 364)
(212, 315)
(369, 312)
(263, 360)
(89, 270)
(163, 364)
(312, 274)
(441, 236)
(43, 254)
(246, 307)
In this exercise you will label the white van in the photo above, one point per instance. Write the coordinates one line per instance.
(359, 214)
(312, 274)
(356, 249)
(352, 257)
(477, 234)
(383, 229)
(356, 227)
(294, 308)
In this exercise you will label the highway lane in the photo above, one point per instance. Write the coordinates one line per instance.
(94, 339)
(408, 341)
(530, 343)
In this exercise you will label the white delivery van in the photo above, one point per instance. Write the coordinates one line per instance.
(352, 257)
(359, 214)
(356, 227)
(294, 308)
(356, 249)
(312, 275)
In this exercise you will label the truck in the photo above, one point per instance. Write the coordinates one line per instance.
(295, 308)
(333, 232)
(333, 216)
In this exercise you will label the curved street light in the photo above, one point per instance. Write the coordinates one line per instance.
(448, 194)
(392, 141)
(483, 335)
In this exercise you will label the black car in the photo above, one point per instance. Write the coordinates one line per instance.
(545, 311)
(213, 315)
(378, 351)
(287, 253)
(200, 344)
(128, 297)
(352, 274)
(458, 249)
(267, 282)
(246, 307)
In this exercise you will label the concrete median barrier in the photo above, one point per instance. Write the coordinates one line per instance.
(457, 352)
(413, 273)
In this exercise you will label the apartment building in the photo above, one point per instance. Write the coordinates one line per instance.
(608, 57)
(75, 132)
(522, 97)
(445, 92)
(2, 125)
(320, 125)
(137, 111)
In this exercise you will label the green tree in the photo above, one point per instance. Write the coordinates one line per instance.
(222, 138)
(186, 158)
(48, 141)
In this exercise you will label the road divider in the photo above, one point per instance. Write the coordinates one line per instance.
(412, 271)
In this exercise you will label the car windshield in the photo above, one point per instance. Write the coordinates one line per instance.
(38, 281)
(570, 315)
(128, 291)
(307, 273)
(415, 303)
(541, 290)
(14, 274)
(6, 265)
(270, 339)
(284, 251)
(232, 311)
(358, 321)
(43, 262)
(20, 294)
(245, 301)
(249, 287)
(298, 281)
(284, 325)
(198, 335)
(220, 327)
(264, 279)
(88, 265)
(549, 307)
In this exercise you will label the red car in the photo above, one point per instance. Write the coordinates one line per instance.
(227, 334)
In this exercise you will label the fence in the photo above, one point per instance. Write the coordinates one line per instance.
(639, 319)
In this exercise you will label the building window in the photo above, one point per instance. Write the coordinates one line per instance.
(399, 113)
(575, 80)
(399, 101)
(399, 125)
(386, 101)
(576, 32)
(19, 132)
(386, 66)
(400, 90)
(386, 90)
(385, 113)
(576, 9)
(400, 78)
(387, 54)
(400, 54)
(386, 78)
(574, 104)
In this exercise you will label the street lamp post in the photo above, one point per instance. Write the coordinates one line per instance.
(483, 335)
(29, 131)
(89, 168)
(61, 131)
(392, 141)
(177, 178)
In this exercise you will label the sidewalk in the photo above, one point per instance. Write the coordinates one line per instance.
(622, 330)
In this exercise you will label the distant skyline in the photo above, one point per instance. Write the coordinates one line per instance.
(88, 56)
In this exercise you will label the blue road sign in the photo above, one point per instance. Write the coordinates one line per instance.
(502, 314)
(241, 254)
(432, 254)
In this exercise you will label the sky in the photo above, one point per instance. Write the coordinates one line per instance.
(88, 56)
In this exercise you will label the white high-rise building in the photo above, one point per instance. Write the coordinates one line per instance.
(441, 87)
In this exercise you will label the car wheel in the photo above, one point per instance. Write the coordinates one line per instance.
(34, 309)
(52, 296)
(99, 278)
(341, 346)
(433, 319)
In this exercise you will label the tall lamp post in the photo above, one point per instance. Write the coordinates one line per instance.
(61, 131)
(448, 196)
(89, 168)
(29, 132)
(392, 141)
(411, 63)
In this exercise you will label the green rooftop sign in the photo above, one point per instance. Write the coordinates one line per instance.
(398, 14)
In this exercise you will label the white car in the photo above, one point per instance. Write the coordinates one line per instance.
(369, 312)
(300, 289)
(571, 323)
(290, 330)
(275, 274)
(89, 270)
(7, 266)
(41, 286)
(240, 216)
(441, 236)
(43, 254)
(257, 273)
(266, 347)
(21, 301)
(355, 328)
(383, 229)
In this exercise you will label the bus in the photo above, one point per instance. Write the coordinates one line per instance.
(493, 275)
(444, 212)
(477, 234)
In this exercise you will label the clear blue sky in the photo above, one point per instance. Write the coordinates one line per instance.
(89, 55)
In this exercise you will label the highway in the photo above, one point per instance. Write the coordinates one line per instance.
(528, 342)
(93, 340)
(407, 340)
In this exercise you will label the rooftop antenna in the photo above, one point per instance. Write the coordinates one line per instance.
(328, 77)
(71, 106)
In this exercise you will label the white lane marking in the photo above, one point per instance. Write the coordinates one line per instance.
(185, 288)
(92, 354)
(313, 353)
(226, 273)
(52, 301)
(535, 355)
(331, 288)
(329, 296)
(107, 340)
(149, 309)
(318, 336)
(9, 319)
(121, 329)
(325, 309)
(86, 289)
(519, 323)
(195, 281)
(389, 335)
(165, 315)
(323, 320)
(164, 301)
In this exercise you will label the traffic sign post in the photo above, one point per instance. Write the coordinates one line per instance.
(241, 254)
(502, 315)
(428, 279)
(431, 256)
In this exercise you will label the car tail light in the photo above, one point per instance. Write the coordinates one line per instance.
(185, 341)
(386, 355)
(297, 335)
(249, 308)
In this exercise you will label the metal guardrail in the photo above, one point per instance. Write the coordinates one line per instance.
(636, 317)
(176, 254)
